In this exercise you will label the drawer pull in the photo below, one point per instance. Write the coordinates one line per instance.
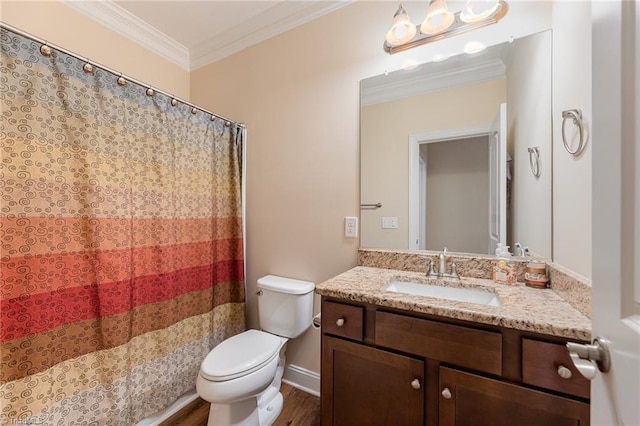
(446, 393)
(340, 322)
(415, 383)
(564, 372)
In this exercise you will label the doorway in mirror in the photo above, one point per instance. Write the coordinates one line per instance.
(458, 188)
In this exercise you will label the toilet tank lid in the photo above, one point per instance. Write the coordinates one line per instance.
(285, 285)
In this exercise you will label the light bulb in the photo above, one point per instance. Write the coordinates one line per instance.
(438, 18)
(478, 10)
(402, 29)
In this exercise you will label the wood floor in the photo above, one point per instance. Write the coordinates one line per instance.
(300, 409)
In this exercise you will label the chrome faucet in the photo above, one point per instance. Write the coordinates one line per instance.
(442, 270)
(443, 261)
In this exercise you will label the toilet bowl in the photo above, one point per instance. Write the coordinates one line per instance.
(241, 377)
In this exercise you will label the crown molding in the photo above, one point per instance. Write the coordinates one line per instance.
(128, 25)
(424, 83)
(285, 16)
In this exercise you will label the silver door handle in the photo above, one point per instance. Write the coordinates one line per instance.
(590, 358)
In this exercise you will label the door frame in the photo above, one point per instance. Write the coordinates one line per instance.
(415, 140)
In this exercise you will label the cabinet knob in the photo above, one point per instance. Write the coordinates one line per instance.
(415, 383)
(446, 393)
(340, 322)
(564, 372)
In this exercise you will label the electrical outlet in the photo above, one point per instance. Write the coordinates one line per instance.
(351, 227)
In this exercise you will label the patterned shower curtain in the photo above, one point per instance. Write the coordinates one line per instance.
(121, 238)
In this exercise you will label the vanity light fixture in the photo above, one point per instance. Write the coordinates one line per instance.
(440, 23)
(478, 10)
(402, 29)
(438, 18)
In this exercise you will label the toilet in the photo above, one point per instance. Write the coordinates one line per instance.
(241, 376)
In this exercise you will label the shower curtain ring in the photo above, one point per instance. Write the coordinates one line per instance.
(45, 50)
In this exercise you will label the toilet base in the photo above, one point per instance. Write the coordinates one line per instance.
(250, 412)
(260, 410)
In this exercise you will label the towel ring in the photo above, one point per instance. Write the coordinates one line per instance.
(534, 160)
(576, 114)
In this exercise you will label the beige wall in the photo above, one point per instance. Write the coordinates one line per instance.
(384, 152)
(529, 125)
(59, 24)
(572, 218)
(299, 95)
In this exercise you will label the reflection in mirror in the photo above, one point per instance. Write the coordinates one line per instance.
(445, 148)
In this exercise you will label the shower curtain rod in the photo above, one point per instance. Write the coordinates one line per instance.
(115, 73)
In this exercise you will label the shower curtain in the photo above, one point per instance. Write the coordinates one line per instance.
(121, 238)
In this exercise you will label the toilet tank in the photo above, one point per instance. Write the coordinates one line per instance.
(285, 305)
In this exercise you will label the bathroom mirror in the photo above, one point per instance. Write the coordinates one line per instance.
(457, 153)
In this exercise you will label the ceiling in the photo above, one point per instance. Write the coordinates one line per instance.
(195, 33)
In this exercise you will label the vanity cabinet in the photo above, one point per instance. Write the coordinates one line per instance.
(469, 399)
(382, 366)
(360, 373)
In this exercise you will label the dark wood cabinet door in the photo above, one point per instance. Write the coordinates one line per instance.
(468, 399)
(361, 385)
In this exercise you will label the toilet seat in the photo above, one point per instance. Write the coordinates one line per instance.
(240, 355)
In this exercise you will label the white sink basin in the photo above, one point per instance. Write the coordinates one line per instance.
(441, 292)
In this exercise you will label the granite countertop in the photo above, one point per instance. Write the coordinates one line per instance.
(523, 308)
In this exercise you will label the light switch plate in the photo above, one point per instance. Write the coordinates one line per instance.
(389, 223)
(351, 227)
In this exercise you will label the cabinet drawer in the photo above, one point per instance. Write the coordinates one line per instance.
(540, 364)
(462, 346)
(342, 320)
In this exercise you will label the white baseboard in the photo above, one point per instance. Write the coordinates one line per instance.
(303, 379)
(163, 415)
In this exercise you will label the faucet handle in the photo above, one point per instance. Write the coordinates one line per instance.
(444, 251)
(454, 272)
(430, 271)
